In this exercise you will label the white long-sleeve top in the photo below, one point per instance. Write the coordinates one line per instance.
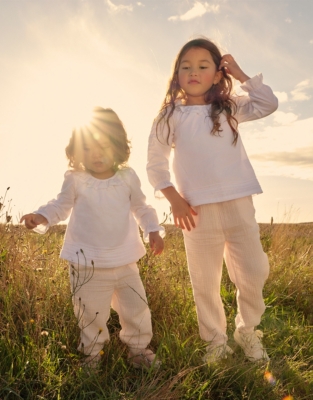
(104, 218)
(208, 168)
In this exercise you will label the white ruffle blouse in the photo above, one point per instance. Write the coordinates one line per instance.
(104, 218)
(208, 168)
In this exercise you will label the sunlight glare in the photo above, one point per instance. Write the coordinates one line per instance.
(270, 378)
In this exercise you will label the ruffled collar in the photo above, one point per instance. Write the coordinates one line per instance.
(180, 106)
(90, 181)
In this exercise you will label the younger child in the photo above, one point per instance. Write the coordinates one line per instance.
(102, 242)
(215, 181)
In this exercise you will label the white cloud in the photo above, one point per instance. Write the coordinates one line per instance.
(301, 156)
(283, 118)
(197, 10)
(311, 41)
(139, 4)
(281, 150)
(282, 96)
(115, 8)
(288, 20)
(298, 94)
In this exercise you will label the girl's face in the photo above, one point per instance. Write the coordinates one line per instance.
(99, 156)
(197, 72)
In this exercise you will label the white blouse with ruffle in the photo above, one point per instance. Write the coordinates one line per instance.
(104, 218)
(208, 168)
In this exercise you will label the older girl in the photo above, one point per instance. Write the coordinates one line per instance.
(215, 181)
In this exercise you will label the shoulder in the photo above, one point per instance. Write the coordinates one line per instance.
(128, 175)
(76, 177)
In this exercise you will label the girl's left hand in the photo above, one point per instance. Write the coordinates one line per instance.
(156, 243)
(231, 67)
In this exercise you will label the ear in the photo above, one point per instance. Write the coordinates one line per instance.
(218, 77)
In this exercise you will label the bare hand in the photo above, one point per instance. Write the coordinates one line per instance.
(183, 214)
(156, 243)
(231, 67)
(33, 220)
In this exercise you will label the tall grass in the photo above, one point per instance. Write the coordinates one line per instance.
(39, 334)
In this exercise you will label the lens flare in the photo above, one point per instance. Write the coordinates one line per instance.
(270, 378)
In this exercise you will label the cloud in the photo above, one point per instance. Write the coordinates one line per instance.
(311, 41)
(282, 96)
(298, 94)
(114, 8)
(197, 10)
(302, 156)
(283, 118)
(288, 20)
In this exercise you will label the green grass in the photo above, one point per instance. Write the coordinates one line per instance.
(39, 334)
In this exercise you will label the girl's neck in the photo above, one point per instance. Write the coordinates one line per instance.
(103, 175)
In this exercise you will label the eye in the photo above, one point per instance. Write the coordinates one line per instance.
(202, 67)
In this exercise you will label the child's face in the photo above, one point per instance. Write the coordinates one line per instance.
(197, 72)
(98, 156)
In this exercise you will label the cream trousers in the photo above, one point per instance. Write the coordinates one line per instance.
(95, 290)
(226, 229)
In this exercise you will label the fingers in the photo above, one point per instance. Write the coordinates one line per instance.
(186, 222)
(29, 220)
(157, 245)
(228, 64)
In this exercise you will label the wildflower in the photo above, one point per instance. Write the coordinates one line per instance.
(101, 352)
(63, 347)
(31, 321)
(44, 333)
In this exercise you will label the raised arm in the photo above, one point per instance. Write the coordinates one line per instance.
(260, 100)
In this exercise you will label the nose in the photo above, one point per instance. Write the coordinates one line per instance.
(97, 152)
(193, 71)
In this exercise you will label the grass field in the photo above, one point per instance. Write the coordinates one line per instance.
(39, 334)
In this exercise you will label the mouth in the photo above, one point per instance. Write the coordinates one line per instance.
(193, 81)
(98, 164)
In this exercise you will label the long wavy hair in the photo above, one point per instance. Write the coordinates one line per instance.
(218, 95)
(103, 121)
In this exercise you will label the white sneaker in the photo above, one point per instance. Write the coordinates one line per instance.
(251, 345)
(216, 353)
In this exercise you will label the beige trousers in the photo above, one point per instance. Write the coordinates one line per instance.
(95, 290)
(226, 229)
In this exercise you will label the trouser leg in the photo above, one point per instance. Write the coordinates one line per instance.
(130, 302)
(92, 290)
(204, 247)
(246, 262)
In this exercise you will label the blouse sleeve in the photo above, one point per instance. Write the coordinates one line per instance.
(159, 149)
(58, 209)
(259, 102)
(144, 214)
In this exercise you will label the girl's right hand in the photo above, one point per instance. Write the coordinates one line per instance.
(182, 212)
(33, 220)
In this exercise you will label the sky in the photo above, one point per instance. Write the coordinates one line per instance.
(59, 58)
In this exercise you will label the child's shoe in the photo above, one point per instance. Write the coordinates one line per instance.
(216, 353)
(139, 358)
(251, 345)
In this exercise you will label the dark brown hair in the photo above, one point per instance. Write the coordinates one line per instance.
(218, 95)
(114, 130)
